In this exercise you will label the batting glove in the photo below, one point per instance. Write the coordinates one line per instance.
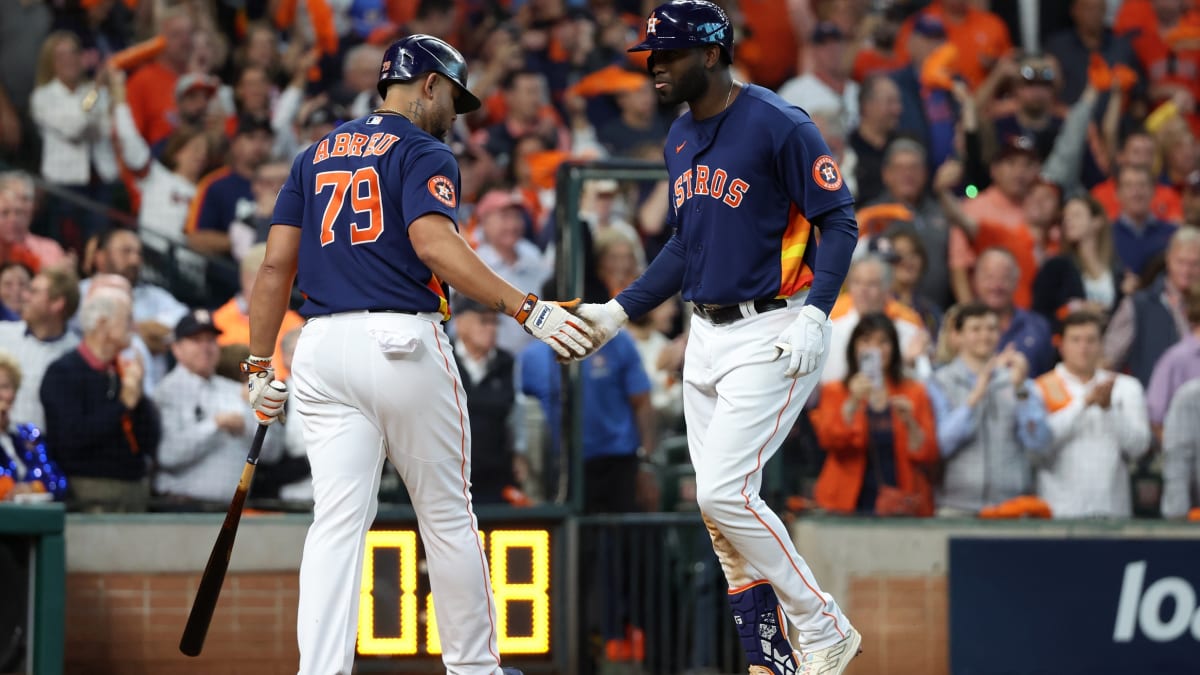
(803, 342)
(267, 396)
(554, 324)
(605, 320)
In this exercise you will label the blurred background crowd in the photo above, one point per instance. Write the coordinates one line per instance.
(1019, 334)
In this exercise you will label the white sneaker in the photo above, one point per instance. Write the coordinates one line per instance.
(833, 659)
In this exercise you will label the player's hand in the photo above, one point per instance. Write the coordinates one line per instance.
(555, 325)
(267, 396)
(803, 342)
(604, 320)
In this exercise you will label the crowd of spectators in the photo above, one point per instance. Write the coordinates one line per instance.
(1020, 320)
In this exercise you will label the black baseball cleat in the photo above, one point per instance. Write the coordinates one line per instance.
(511, 671)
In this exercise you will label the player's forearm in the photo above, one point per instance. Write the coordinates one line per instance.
(453, 261)
(839, 236)
(268, 305)
(661, 280)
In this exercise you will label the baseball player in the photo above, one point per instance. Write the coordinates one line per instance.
(751, 178)
(366, 221)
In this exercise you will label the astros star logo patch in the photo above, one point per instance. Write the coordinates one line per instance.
(443, 190)
(826, 173)
(651, 25)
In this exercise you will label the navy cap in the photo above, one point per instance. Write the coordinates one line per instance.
(195, 322)
(248, 124)
(827, 31)
(930, 26)
(1016, 145)
(323, 114)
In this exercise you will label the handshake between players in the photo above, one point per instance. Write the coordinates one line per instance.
(803, 342)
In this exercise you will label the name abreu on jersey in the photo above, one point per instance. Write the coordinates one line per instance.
(355, 145)
(714, 183)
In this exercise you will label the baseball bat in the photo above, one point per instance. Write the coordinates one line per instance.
(218, 561)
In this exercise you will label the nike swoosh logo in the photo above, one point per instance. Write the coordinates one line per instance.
(680, 147)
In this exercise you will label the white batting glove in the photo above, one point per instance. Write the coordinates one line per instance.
(605, 320)
(267, 396)
(803, 342)
(554, 324)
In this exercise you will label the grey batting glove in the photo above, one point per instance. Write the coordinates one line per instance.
(803, 342)
(605, 320)
(554, 324)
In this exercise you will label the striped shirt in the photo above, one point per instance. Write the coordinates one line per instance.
(1181, 452)
(34, 356)
(195, 458)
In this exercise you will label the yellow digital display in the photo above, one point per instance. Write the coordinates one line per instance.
(391, 622)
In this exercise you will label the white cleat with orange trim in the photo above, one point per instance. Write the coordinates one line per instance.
(833, 659)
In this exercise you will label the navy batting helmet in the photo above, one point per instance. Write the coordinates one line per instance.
(415, 55)
(682, 24)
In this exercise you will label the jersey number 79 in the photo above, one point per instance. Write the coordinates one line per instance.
(363, 186)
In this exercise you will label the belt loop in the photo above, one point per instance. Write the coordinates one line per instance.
(748, 309)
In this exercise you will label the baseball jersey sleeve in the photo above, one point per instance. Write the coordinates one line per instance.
(431, 185)
(814, 183)
(809, 173)
(289, 205)
(662, 279)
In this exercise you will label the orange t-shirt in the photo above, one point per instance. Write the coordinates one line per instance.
(871, 61)
(1166, 205)
(981, 39)
(151, 96)
(235, 330)
(1016, 239)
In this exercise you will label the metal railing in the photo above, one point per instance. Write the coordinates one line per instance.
(651, 598)
(194, 279)
(569, 276)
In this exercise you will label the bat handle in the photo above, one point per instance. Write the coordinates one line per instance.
(256, 447)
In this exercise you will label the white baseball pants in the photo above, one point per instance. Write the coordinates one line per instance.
(369, 386)
(739, 407)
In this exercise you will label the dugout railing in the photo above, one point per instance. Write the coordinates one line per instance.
(195, 279)
(569, 278)
(652, 598)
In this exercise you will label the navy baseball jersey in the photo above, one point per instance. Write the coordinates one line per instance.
(742, 202)
(353, 195)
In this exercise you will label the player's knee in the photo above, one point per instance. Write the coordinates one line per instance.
(720, 505)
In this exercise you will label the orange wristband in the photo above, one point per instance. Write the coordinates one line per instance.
(522, 314)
